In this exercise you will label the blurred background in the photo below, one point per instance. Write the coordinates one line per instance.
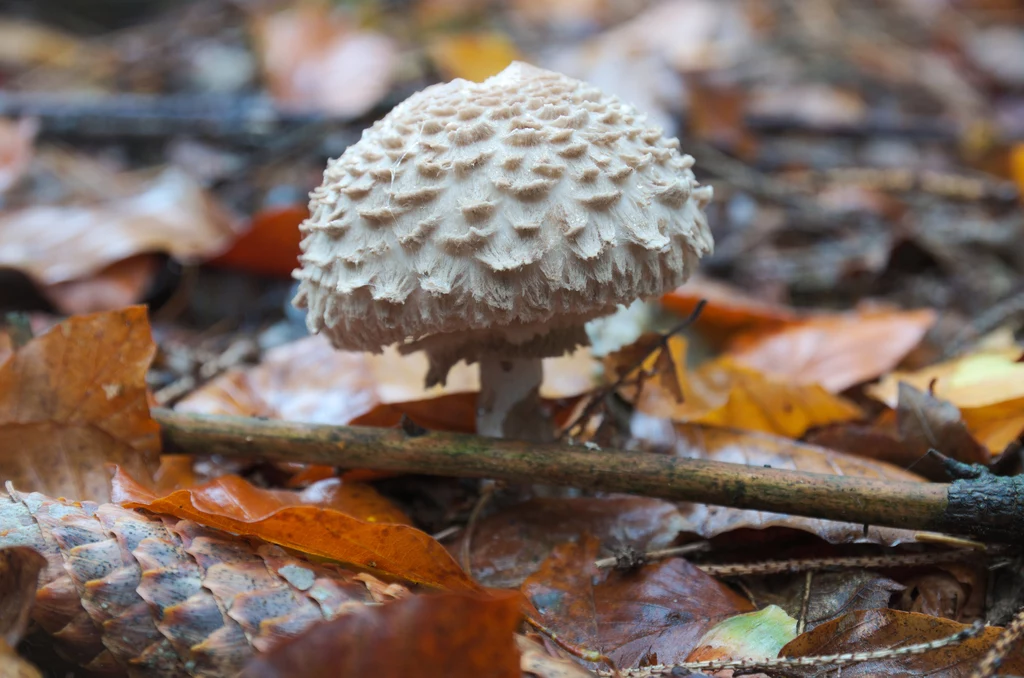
(161, 152)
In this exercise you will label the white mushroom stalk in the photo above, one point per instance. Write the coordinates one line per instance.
(489, 221)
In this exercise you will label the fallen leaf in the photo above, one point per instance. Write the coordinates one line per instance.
(19, 573)
(535, 660)
(729, 310)
(393, 549)
(309, 381)
(13, 666)
(270, 245)
(652, 615)
(925, 422)
(74, 400)
(832, 595)
(473, 56)
(120, 284)
(836, 351)
(315, 59)
(758, 449)
(448, 634)
(29, 43)
(17, 140)
(936, 594)
(872, 630)
(1017, 166)
(171, 214)
(987, 387)
(511, 544)
(723, 393)
(754, 635)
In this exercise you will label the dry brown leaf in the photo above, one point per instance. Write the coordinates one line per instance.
(723, 393)
(317, 60)
(448, 634)
(757, 449)
(171, 215)
(871, 630)
(308, 380)
(120, 284)
(652, 615)
(74, 400)
(19, 573)
(987, 387)
(836, 351)
(535, 660)
(729, 311)
(473, 56)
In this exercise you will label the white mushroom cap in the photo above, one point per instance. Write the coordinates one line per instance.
(498, 216)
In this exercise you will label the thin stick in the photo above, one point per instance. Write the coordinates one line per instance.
(658, 554)
(805, 603)
(858, 562)
(993, 659)
(979, 504)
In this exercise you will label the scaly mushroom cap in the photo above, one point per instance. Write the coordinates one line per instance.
(500, 215)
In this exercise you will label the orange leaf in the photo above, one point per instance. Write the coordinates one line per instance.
(450, 634)
(473, 56)
(835, 350)
(233, 505)
(120, 284)
(271, 244)
(723, 393)
(871, 630)
(73, 400)
(1017, 166)
(729, 310)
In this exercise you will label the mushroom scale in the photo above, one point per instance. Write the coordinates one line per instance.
(497, 216)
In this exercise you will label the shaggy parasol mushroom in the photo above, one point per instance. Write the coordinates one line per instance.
(490, 221)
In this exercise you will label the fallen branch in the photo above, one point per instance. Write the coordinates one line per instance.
(978, 504)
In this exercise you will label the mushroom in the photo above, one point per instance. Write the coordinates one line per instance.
(489, 222)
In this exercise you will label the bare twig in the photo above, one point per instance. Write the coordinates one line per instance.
(807, 564)
(805, 603)
(836, 660)
(600, 394)
(993, 659)
(658, 554)
(486, 492)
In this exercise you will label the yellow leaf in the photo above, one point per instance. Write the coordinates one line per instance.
(988, 387)
(473, 56)
(724, 393)
(1017, 165)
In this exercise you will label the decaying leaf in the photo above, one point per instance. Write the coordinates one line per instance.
(270, 245)
(757, 449)
(13, 666)
(171, 215)
(123, 588)
(308, 380)
(724, 393)
(120, 284)
(871, 630)
(511, 544)
(316, 59)
(393, 549)
(754, 635)
(832, 594)
(655, 614)
(74, 400)
(535, 660)
(447, 634)
(987, 387)
(19, 573)
(835, 350)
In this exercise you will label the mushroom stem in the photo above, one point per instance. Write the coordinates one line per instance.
(509, 404)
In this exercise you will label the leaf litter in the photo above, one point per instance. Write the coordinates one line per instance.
(867, 226)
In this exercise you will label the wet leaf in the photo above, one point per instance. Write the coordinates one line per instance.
(473, 56)
(449, 634)
(833, 594)
(724, 393)
(655, 614)
(270, 245)
(987, 387)
(392, 549)
(756, 449)
(120, 284)
(512, 543)
(74, 400)
(836, 351)
(308, 380)
(754, 635)
(871, 630)
(315, 59)
(171, 214)
(19, 574)
(729, 310)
